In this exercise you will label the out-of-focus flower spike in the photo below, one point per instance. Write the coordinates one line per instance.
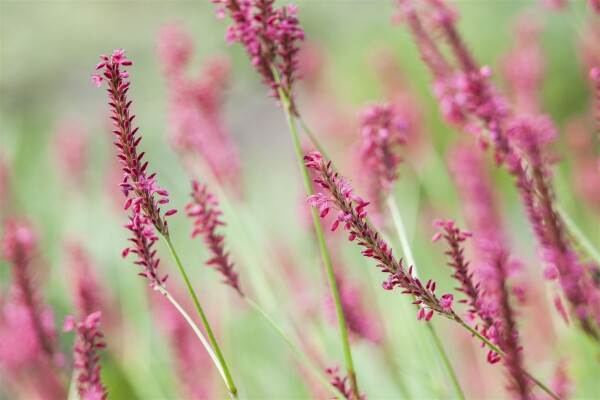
(85, 355)
(207, 218)
(196, 123)
(382, 132)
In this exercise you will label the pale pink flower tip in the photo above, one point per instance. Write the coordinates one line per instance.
(446, 301)
(96, 80)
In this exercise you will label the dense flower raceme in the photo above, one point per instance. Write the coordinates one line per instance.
(522, 152)
(270, 36)
(29, 355)
(136, 180)
(351, 214)
(196, 123)
(488, 306)
(555, 251)
(207, 218)
(143, 238)
(18, 249)
(382, 132)
(85, 355)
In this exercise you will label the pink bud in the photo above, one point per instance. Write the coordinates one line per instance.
(170, 212)
(429, 315)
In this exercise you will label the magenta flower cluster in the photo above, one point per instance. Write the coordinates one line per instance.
(143, 238)
(207, 218)
(36, 321)
(351, 214)
(136, 180)
(270, 36)
(85, 350)
(489, 307)
(478, 304)
(197, 126)
(383, 132)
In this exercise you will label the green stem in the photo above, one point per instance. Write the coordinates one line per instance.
(295, 349)
(497, 350)
(312, 137)
(324, 253)
(211, 337)
(579, 235)
(194, 327)
(406, 249)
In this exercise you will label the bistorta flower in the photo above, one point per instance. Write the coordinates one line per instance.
(85, 355)
(136, 180)
(207, 218)
(351, 215)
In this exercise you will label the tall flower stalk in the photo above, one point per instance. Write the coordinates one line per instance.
(146, 198)
(86, 360)
(350, 214)
(468, 100)
(488, 302)
(270, 37)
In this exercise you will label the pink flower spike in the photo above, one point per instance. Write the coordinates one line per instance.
(351, 211)
(206, 215)
(87, 341)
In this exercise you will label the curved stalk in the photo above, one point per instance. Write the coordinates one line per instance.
(211, 337)
(194, 327)
(324, 253)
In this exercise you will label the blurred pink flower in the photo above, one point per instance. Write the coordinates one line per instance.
(196, 123)
(87, 342)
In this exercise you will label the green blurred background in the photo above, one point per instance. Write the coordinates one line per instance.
(49, 48)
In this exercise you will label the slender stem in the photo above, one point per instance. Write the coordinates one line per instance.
(312, 137)
(295, 349)
(407, 251)
(225, 370)
(579, 235)
(194, 327)
(401, 230)
(497, 350)
(324, 253)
